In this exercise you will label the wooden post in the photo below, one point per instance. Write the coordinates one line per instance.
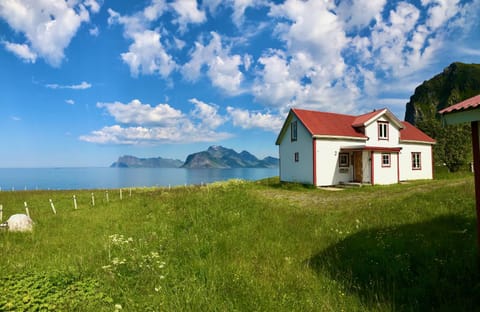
(1, 213)
(26, 209)
(121, 197)
(106, 196)
(476, 169)
(75, 202)
(53, 207)
(93, 200)
(130, 195)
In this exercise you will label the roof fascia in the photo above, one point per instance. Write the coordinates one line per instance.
(390, 116)
(417, 142)
(338, 137)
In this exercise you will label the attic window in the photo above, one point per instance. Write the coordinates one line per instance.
(416, 161)
(293, 131)
(383, 130)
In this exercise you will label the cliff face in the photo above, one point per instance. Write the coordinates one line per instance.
(135, 162)
(221, 157)
(456, 83)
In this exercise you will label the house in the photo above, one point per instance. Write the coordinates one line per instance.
(328, 149)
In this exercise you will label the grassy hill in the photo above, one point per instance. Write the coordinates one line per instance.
(241, 246)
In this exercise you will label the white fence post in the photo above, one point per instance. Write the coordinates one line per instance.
(121, 197)
(75, 202)
(26, 209)
(93, 200)
(1, 213)
(53, 207)
(106, 196)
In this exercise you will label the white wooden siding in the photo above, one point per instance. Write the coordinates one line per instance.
(371, 131)
(406, 171)
(385, 175)
(301, 171)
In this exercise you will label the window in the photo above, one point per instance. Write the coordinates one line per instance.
(293, 130)
(416, 161)
(385, 160)
(296, 157)
(343, 160)
(383, 130)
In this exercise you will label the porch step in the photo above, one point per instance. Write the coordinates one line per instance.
(350, 184)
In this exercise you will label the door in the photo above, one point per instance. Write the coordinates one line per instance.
(357, 167)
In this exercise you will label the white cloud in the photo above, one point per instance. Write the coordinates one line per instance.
(441, 11)
(360, 13)
(15, 118)
(248, 120)
(22, 51)
(143, 124)
(188, 13)
(81, 86)
(70, 102)
(222, 68)
(94, 31)
(142, 114)
(207, 114)
(48, 25)
(147, 54)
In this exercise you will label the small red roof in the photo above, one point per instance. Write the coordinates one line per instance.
(320, 123)
(412, 133)
(472, 102)
(362, 119)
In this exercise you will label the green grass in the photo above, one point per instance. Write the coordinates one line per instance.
(237, 246)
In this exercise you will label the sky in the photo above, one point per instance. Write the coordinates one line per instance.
(83, 82)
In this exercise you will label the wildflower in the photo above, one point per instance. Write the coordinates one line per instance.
(118, 307)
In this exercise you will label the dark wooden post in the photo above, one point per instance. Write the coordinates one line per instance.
(476, 169)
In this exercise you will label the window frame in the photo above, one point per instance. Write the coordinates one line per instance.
(345, 164)
(389, 157)
(293, 131)
(296, 157)
(416, 161)
(380, 125)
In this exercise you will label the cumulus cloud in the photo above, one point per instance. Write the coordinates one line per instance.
(22, 51)
(248, 120)
(147, 53)
(142, 114)
(70, 102)
(188, 13)
(48, 26)
(222, 67)
(145, 124)
(81, 86)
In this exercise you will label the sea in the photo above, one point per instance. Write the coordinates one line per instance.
(107, 178)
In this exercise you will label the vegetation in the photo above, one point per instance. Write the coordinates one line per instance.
(238, 246)
(456, 83)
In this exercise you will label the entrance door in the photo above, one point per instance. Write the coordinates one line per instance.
(357, 167)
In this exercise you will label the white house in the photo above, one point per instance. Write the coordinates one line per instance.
(376, 148)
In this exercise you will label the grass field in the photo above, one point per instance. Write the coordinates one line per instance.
(237, 246)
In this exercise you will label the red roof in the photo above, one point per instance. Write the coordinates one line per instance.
(412, 133)
(320, 123)
(472, 102)
(362, 119)
(339, 125)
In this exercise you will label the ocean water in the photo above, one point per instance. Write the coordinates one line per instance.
(106, 178)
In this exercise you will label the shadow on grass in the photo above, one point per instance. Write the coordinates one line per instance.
(428, 266)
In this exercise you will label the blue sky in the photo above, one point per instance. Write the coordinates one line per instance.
(85, 81)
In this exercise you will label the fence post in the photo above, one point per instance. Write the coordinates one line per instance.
(53, 207)
(1, 213)
(121, 197)
(106, 196)
(75, 202)
(26, 209)
(93, 200)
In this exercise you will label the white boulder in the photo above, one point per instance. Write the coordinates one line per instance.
(20, 223)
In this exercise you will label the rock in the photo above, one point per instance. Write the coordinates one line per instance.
(20, 223)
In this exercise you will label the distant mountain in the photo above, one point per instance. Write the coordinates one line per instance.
(221, 157)
(135, 162)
